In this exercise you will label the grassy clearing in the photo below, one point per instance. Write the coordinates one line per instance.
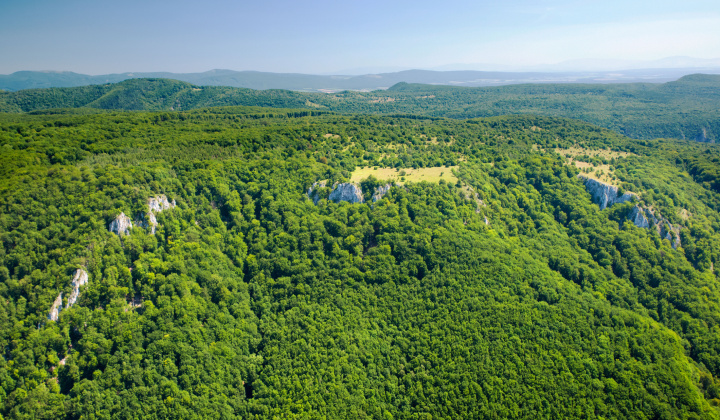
(601, 172)
(574, 152)
(404, 175)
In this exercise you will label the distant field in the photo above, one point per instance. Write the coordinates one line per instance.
(402, 176)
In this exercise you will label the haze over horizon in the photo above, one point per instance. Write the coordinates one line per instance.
(351, 38)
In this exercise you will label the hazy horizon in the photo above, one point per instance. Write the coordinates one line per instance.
(343, 38)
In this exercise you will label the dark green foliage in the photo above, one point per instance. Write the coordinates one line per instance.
(256, 303)
(684, 109)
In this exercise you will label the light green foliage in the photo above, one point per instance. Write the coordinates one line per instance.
(257, 303)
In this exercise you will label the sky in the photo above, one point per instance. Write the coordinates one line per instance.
(181, 36)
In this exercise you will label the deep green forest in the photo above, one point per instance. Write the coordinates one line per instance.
(525, 300)
(684, 109)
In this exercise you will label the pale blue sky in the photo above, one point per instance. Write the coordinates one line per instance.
(97, 37)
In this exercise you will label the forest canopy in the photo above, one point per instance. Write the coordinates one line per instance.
(503, 291)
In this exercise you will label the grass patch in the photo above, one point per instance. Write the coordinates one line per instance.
(403, 175)
(574, 152)
(602, 172)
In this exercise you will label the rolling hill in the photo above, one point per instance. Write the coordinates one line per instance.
(684, 109)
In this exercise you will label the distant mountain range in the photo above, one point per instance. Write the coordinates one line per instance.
(686, 108)
(332, 83)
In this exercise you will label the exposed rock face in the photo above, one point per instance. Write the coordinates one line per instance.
(637, 216)
(156, 205)
(159, 203)
(347, 192)
(380, 192)
(646, 218)
(55, 308)
(605, 195)
(121, 225)
(80, 279)
(313, 193)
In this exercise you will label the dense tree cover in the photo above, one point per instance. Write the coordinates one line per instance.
(257, 303)
(684, 109)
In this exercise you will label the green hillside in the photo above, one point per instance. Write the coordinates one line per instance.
(506, 293)
(685, 109)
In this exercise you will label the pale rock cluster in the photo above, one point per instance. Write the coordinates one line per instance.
(155, 205)
(121, 225)
(79, 279)
(605, 195)
(313, 193)
(347, 192)
(350, 192)
(647, 218)
(380, 192)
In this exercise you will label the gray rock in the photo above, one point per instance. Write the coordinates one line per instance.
(637, 216)
(646, 218)
(121, 225)
(380, 192)
(55, 308)
(159, 203)
(80, 279)
(313, 193)
(605, 195)
(156, 205)
(347, 192)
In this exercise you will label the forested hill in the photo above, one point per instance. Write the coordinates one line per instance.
(684, 109)
(469, 274)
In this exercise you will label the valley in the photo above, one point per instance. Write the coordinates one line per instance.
(483, 281)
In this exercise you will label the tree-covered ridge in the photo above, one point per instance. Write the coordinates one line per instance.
(684, 109)
(257, 303)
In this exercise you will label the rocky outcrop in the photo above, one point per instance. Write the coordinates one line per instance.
(637, 216)
(380, 192)
(80, 279)
(156, 205)
(55, 308)
(313, 191)
(605, 195)
(121, 225)
(647, 218)
(347, 192)
(159, 203)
